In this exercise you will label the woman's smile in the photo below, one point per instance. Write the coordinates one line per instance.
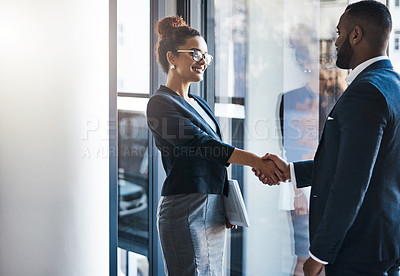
(199, 69)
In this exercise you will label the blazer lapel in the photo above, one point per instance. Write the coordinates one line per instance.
(193, 113)
(208, 110)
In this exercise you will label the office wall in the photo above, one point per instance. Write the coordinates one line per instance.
(54, 143)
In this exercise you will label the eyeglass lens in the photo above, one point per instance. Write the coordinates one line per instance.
(198, 56)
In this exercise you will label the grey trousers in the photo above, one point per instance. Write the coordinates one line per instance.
(192, 230)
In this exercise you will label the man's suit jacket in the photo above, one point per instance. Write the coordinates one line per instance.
(193, 154)
(355, 174)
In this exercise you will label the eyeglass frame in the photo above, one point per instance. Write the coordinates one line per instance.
(204, 55)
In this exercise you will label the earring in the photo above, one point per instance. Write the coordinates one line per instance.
(172, 67)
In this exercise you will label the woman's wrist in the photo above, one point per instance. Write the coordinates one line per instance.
(257, 162)
(242, 157)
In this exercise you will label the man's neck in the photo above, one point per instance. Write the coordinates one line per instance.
(367, 56)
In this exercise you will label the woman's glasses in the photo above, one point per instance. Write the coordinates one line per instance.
(197, 55)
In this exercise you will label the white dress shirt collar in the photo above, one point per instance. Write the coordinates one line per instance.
(356, 71)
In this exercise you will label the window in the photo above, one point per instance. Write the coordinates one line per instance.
(396, 40)
(275, 82)
(394, 47)
(397, 3)
(133, 82)
(133, 58)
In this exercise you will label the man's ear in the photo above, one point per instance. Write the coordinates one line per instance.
(171, 58)
(356, 35)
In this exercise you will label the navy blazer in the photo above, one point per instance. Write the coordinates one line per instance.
(193, 154)
(355, 174)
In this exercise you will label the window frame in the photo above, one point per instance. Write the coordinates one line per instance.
(113, 167)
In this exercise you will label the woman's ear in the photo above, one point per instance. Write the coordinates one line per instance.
(171, 58)
(356, 35)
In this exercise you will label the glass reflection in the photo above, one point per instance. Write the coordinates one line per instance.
(299, 116)
(133, 181)
(276, 66)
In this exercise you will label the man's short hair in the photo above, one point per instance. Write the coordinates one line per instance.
(375, 16)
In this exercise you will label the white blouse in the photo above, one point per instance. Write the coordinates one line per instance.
(203, 114)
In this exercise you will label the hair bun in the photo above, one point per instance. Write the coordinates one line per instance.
(166, 26)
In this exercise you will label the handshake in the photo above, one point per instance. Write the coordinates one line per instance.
(272, 169)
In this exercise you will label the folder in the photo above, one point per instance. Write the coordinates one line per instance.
(235, 209)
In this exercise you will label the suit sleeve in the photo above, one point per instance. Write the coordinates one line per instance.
(303, 173)
(174, 131)
(361, 118)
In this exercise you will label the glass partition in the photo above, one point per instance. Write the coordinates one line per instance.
(275, 82)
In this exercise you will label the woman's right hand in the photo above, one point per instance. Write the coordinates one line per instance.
(281, 170)
(268, 172)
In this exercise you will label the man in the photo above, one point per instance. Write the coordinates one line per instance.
(355, 174)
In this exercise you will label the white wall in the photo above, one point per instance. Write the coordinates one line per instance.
(53, 185)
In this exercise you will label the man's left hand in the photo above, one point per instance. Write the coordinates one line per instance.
(311, 267)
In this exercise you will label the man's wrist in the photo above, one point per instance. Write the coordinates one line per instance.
(316, 259)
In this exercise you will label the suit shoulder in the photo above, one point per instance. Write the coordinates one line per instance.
(363, 101)
(382, 78)
(160, 97)
(158, 101)
(366, 97)
(366, 88)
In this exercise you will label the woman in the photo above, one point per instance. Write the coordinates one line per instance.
(191, 221)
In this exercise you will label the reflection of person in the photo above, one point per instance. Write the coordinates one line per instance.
(299, 124)
(191, 220)
(355, 176)
(331, 86)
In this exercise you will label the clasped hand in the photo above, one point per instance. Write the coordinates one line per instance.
(272, 170)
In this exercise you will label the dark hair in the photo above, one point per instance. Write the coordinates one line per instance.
(374, 15)
(172, 32)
